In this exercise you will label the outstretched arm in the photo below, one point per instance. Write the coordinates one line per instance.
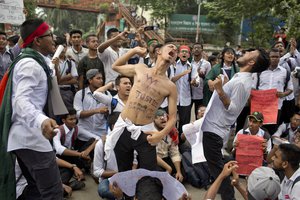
(120, 65)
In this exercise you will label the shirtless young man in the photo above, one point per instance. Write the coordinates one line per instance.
(134, 129)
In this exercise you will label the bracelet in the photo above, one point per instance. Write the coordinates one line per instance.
(73, 166)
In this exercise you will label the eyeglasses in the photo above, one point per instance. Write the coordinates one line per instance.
(50, 34)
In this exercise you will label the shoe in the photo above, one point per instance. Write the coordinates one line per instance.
(77, 185)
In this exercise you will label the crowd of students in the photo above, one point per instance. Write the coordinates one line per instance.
(127, 101)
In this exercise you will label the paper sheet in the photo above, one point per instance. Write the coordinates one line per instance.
(172, 189)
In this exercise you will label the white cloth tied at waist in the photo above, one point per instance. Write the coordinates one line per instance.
(113, 137)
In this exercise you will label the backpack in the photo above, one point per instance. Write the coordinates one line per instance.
(196, 174)
(63, 135)
(286, 132)
(266, 133)
(295, 181)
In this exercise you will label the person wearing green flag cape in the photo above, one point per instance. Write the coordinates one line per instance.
(24, 125)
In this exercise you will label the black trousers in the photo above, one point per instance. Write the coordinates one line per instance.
(212, 145)
(184, 113)
(124, 152)
(197, 103)
(42, 174)
(287, 111)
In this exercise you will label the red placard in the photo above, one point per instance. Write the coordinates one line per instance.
(266, 102)
(249, 153)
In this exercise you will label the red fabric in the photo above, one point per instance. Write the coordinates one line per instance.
(174, 135)
(38, 32)
(184, 47)
(3, 86)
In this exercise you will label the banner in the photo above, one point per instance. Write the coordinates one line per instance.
(11, 11)
(266, 102)
(249, 153)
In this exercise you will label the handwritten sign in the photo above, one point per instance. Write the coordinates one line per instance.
(266, 102)
(11, 11)
(249, 153)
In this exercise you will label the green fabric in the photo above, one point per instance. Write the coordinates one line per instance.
(212, 75)
(7, 161)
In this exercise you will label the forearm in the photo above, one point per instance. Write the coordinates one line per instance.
(92, 146)
(242, 191)
(177, 77)
(162, 163)
(223, 97)
(69, 152)
(177, 166)
(106, 44)
(123, 59)
(287, 92)
(213, 190)
(87, 113)
(169, 125)
(66, 77)
(108, 173)
(80, 82)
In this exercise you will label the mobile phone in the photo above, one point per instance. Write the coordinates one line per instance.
(131, 35)
(149, 28)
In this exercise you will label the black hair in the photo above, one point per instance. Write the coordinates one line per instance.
(28, 27)
(212, 58)
(3, 33)
(14, 39)
(112, 119)
(74, 31)
(89, 36)
(234, 68)
(71, 111)
(158, 46)
(149, 188)
(110, 31)
(275, 50)
(291, 154)
(198, 43)
(169, 40)
(60, 41)
(215, 53)
(119, 77)
(262, 61)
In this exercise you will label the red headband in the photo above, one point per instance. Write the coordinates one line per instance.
(38, 32)
(184, 47)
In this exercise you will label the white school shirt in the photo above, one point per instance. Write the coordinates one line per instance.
(286, 188)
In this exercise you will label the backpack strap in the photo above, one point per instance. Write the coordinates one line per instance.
(74, 136)
(287, 79)
(258, 80)
(296, 181)
(114, 102)
(11, 55)
(62, 134)
(286, 132)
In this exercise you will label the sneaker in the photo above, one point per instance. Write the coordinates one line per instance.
(77, 185)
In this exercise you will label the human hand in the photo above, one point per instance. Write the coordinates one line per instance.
(185, 197)
(85, 155)
(228, 168)
(141, 51)
(78, 173)
(102, 110)
(123, 35)
(67, 189)
(55, 61)
(218, 83)
(293, 46)
(49, 128)
(280, 94)
(264, 145)
(236, 144)
(115, 190)
(179, 176)
(211, 85)
(154, 137)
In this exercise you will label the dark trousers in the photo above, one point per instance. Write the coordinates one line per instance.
(197, 103)
(184, 113)
(212, 145)
(240, 121)
(124, 152)
(287, 111)
(42, 174)
(79, 146)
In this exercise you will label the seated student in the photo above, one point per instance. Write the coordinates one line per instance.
(288, 130)
(168, 154)
(90, 111)
(287, 158)
(65, 142)
(263, 183)
(255, 122)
